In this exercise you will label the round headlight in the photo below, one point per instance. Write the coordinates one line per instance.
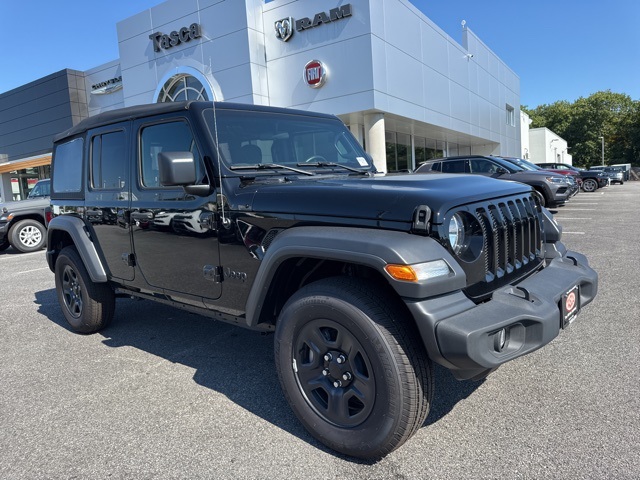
(465, 236)
(456, 233)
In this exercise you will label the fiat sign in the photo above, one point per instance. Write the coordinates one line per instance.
(315, 74)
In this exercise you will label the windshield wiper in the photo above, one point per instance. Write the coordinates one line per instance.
(270, 166)
(331, 164)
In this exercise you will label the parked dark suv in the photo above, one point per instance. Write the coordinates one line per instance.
(274, 220)
(591, 180)
(554, 189)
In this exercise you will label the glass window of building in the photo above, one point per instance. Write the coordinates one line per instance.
(23, 180)
(399, 158)
(426, 149)
(511, 116)
(182, 87)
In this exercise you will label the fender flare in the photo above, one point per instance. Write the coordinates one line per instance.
(81, 238)
(371, 248)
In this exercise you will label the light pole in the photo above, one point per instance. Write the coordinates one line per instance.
(602, 140)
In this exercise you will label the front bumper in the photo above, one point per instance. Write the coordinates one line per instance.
(465, 337)
(573, 190)
(561, 193)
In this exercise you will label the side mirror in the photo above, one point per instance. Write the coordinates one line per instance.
(501, 171)
(176, 169)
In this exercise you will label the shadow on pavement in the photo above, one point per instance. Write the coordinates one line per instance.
(227, 359)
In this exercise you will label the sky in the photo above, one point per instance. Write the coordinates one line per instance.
(560, 49)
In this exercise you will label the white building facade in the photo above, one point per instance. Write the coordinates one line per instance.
(525, 147)
(406, 89)
(547, 147)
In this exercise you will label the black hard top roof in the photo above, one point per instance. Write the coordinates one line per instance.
(141, 111)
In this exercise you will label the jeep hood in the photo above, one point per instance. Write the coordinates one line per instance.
(24, 204)
(391, 198)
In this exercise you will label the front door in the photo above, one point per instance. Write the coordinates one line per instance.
(175, 243)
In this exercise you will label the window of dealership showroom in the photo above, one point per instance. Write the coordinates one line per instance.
(23, 180)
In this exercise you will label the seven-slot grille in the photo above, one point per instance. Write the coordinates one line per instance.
(512, 243)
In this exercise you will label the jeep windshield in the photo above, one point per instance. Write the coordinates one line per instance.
(269, 141)
(41, 189)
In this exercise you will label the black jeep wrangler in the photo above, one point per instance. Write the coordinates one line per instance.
(275, 220)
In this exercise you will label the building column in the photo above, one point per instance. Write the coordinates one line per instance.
(374, 137)
(6, 192)
(356, 131)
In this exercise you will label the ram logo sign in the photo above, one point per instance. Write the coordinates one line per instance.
(284, 26)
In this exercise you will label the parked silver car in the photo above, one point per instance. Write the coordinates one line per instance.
(615, 174)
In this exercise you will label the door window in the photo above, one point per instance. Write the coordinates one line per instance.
(454, 166)
(109, 161)
(166, 137)
(481, 165)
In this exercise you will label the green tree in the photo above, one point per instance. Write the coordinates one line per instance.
(614, 116)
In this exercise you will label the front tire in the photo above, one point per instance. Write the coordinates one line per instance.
(87, 306)
(28, 236)
(351, 367)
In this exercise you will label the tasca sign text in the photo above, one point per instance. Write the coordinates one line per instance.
(334, 14)
(184, 35)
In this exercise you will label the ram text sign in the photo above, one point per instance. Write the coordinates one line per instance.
(284, 26)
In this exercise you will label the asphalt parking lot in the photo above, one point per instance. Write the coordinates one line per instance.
(167, 394)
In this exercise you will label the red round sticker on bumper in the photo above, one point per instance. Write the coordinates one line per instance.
(571, 301)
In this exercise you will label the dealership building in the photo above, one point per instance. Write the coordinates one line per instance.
(406, 89)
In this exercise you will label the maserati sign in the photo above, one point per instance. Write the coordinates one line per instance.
(315, 74)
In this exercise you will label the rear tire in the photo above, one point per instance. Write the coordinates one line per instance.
(87, 306)
(589, 185)
(352, 367)
(28, 236)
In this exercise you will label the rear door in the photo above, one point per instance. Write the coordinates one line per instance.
(107, 200)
